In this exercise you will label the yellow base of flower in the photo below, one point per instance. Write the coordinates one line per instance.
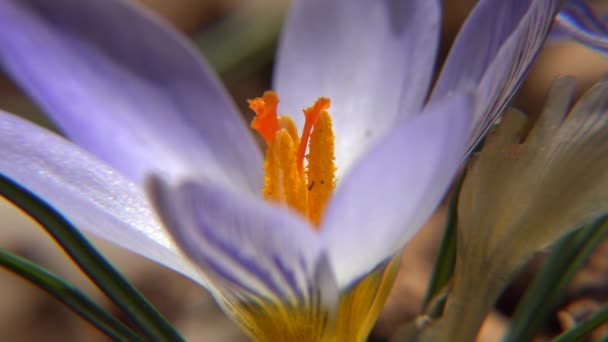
(357, 310)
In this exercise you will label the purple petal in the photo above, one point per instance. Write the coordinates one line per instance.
(96, 198)
(373, 59)
(386, 198)
(242, 244)
(127, 87)
(493, 51)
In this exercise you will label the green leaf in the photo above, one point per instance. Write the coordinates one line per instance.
(583, 329)
(434, 299)
(545, 293)
(98, 269)
(68, 295)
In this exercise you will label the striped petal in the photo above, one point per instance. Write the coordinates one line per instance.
(373, 59)
(493, 51)
(128, 88)
(385, 199)
(96, 198)
(247, 248)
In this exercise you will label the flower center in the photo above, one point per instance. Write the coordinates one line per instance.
(287, 181)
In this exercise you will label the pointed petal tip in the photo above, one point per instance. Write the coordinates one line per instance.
(494, 50)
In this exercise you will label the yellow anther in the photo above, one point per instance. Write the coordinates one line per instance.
(292, 182)
(321, 169)
(288, 124)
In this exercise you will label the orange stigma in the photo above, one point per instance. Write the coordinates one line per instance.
(265, 121)
(286, 181)
(312, 115)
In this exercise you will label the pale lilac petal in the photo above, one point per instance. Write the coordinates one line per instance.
(373, 59)
(96, 198)
(386, 198)
(493, 51)
(243, 245)
(127, 87)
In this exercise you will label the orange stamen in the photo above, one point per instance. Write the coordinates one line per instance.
(304, 191)
(265, 122)
(312, 115)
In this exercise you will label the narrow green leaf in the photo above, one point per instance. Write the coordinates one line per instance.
(583, 329)
(68, 295)
(98, 269)
(545, 293)
(444, 264)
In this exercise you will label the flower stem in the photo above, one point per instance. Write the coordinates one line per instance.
(468, 304)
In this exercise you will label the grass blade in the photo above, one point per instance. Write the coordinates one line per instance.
(98, 269)
(68, 295)
(579, 332)
(446, 258)
(545, 293)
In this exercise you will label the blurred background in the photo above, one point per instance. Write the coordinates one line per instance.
(239, 39)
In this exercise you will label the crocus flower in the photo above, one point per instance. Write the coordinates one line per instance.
(140, 107)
